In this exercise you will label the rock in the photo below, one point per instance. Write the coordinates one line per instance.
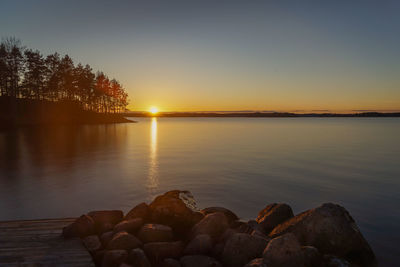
(226, 235)
(114, 258)
(158, 251)
(230, 216)
(217, 250)
(201, 244)
(170, 263)
(125, 265)
(155, 233)
(241, 248)
(98, 257)
(176, 209)
(332, 261)
(213, 224)
(138, 258)
(130, 226)
(284, 250)
(274, 214)
(92, 243)
(312, 257)
(259, 262)
(332, 230)
(124, 240)
(105, 220)
(199, 261)
(106, 237)
(81, 227)
(140, 211)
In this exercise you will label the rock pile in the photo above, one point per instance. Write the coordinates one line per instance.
(172, 232)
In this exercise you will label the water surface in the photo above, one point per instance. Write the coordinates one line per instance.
(240, 163)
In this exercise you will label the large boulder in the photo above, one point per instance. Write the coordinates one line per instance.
(131, 226)
(81, 227)
(114, 258)
(201, 244)
(138, 259)
(230, 215)
(106, 237)
(170, 263)
(242, 248)
(213, 224)
(92, 243)
(176, 209)
(274, 214)
(312, 257)
(258, 262)
(158, 251)
(140, 211)
(284, 250)
(105, 220)
(199, 261)
(155, 233)
(332, 230)
(124, 240)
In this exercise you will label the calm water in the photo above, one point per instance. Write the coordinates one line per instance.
(239, 163)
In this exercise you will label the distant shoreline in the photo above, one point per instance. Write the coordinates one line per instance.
(263, 114)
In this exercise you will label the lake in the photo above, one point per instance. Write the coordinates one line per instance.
(239, 163)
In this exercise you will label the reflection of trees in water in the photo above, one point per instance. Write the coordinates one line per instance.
(57, 147)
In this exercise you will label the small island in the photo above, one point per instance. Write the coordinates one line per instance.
(35, 89)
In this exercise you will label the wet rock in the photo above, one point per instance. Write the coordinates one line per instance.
(105, 220)
(259, 262)
(114, 258)
(92, 243)
(332, 230)
(230, 215)
(312, 257)
(124, 240)
(138, 258)
(199, 261)
(130, 226)
(81, 227)
(213, 224)
(284, 250)
(274, 214)
(201, 244)
(176, 209)
(241, 248)
(140, 211)
(155, 233)
(106, 237)
(158, 251)
(170, 263)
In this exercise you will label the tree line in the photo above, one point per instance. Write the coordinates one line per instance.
(26, 73)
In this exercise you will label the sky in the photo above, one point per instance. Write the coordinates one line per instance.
(226, 55)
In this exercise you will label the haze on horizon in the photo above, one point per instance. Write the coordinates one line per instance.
(226, 55)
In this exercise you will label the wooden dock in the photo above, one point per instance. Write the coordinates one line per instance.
(39, 243)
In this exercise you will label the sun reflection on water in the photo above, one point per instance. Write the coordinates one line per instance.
(153, 162)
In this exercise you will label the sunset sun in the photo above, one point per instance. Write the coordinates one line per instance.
(153, 110)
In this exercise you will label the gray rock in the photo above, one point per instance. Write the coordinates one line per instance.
(241, 248)
(213, 224)
(201, 244)
(138, 259)
(158, 251)
(92, 243)
(114, 258)
(332, 230)
(274, 214)
(199, 261)
(106, 237)
(170, 263)
(284, 250)
(259, 262)
(230, 215)
(140, 211)
(81, 227)
(124, 240)
(155, 233)
(130, 226)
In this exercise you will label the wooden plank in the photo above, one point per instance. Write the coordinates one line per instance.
(39, 243)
